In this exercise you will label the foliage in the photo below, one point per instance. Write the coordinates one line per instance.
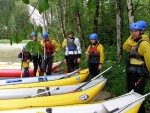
(106, 27)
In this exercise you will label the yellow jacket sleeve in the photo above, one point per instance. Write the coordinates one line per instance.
(131, 43)
(64, 44)
(56, 45)
(100, 49)
(128, 44)
(144, 50)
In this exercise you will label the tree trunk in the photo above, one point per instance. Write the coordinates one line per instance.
(79, 25)
(118, 27)
(96, 16)
(102, 20)
(130, 11)
(61, 18)
(64, 9)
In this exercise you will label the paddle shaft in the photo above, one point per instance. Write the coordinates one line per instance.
(93, 78)
(37, 72)
(46, 92)
(75, 71)
(125, 106)
(44, 59)
(21, 63)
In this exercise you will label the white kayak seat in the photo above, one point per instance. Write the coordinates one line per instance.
(124, 101)
(93, 83)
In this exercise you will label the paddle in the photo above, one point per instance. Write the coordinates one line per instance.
(37, 72)
(91, 80)
(21, 63)
(44, 59)
(126, 105)
(73, 72)
(48, 91)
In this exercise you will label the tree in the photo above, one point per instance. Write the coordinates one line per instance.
(130, 11)
(118, 27)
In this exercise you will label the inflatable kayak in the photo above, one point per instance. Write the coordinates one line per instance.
(12, 65)
(17, 72)
(127, 103)
(14, 81)
(43, 91)
(83, 95)
(78, 78)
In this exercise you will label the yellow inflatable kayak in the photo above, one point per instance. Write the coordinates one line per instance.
(127, 103)
(82, 96)
(80, 77)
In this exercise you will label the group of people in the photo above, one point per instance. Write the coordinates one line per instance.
(72, 55)
(44, 62)
(137, 46)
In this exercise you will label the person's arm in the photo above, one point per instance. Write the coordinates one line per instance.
(64, 44)
(144, 50)
(101, 52)
(20, 55)
(56, 45)
(77, 43)
(128, 44)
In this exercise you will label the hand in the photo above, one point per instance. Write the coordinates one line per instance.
(28, 61)
(65, 61)
(87, 53)
(53, 54)
(78, 60)
(100, 67)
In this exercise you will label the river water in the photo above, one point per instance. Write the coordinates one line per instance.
(9, 53)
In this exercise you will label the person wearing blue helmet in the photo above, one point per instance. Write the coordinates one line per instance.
(130, 42)
(25, 60)
(37, 59)
(50, 48)
(138, 63)
(95, 54)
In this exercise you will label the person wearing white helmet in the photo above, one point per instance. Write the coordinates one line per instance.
(25, 58)
(95, 54)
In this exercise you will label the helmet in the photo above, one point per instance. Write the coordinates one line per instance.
(33, 34)
(24, 46)
(144, 24)
(93, 36)
(70, 32)
(44, 35)
(136, 26)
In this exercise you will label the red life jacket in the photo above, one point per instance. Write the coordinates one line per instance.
(48, 47)
(94, 55)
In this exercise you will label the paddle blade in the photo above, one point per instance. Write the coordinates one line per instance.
(44, 73)
(21, 73)
(37, 73)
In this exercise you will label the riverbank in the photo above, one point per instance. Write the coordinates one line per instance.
(2, 41)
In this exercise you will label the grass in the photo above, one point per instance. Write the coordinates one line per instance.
(8, 41)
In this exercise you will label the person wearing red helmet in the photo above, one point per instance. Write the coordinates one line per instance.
(95, 54)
